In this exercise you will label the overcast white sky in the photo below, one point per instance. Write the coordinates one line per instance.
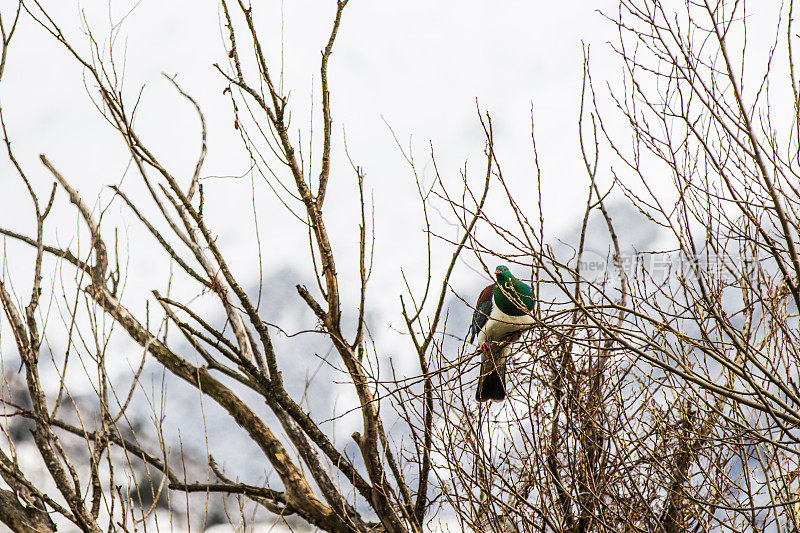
(419, 66)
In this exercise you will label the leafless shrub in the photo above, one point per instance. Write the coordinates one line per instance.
(658, 394)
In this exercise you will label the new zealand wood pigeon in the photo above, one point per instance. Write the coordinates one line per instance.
(502, 312)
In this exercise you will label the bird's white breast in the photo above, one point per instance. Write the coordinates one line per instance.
(500, 324)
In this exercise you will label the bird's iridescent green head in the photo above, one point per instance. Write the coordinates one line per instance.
(512, 296)
(503, 275)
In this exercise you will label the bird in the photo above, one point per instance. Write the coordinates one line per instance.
(502, 312)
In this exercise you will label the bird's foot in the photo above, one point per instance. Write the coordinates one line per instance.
(484, 347)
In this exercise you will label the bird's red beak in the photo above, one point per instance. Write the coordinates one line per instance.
(497, 271)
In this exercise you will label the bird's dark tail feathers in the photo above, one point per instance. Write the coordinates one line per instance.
(491, 383)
